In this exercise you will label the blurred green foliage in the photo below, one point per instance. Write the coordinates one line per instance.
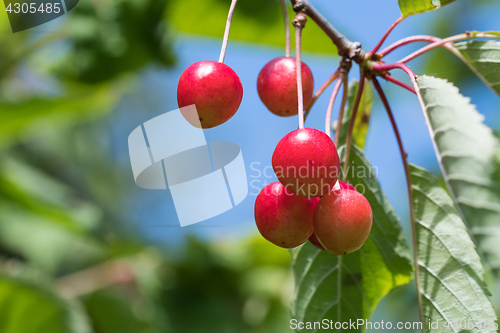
(256, 21)
(62, 230)
(61, 198)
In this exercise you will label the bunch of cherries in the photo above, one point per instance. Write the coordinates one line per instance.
(308, 202)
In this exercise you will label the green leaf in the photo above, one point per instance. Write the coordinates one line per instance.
(113, 38)
(483, 58)
(256, 21)
(112, 311)
(468, 154)
(362, 122)
(43, 195)
(451, 274)
(29, 308)
(413, 7)
(37, 116)
(45, 243)
(351, 286)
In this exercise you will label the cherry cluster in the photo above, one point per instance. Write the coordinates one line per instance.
(309, 202)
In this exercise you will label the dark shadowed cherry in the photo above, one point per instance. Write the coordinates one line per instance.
(343, 221)
(314, 241)
(215, 90)
(282, 217)
(306, 162)
(277, 86)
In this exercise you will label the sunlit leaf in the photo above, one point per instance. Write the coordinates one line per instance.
(451, 274)
(349, 287)
(413, 7)
(483, 58)
(468, 153)
(257, 21)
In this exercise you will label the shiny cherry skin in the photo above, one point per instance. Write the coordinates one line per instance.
(313, 239)
(282, 217)
(215, 90)
(277, 86)
(343, 221)
(346, 186)
(306, 162)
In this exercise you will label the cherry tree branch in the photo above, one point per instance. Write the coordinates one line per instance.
(345, 47)
(410, 194)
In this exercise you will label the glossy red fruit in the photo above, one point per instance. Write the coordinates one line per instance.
(314, 241)
(214, 88)
(277, 86)
(346, 186)
(306, 162)
(282, 217)
(343, 221)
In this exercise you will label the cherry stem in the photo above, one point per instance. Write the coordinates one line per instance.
(320, 91)
(404, 157)
(424, 38)
(379, 45)
(286, 19)
(385, 68)
(441, 42)
(344, 78)
(353, 117)
(399, 83)
(408, 40)
(226, 32)
(328, 118)
(299, 23)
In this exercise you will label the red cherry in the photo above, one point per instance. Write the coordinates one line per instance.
(306, 162)
(346, 186)
(343, 221)
(214, 88)
(277, 86)
(314, 241)
(283, 218)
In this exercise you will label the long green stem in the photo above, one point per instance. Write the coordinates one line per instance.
(353, 118)
(410, 195)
